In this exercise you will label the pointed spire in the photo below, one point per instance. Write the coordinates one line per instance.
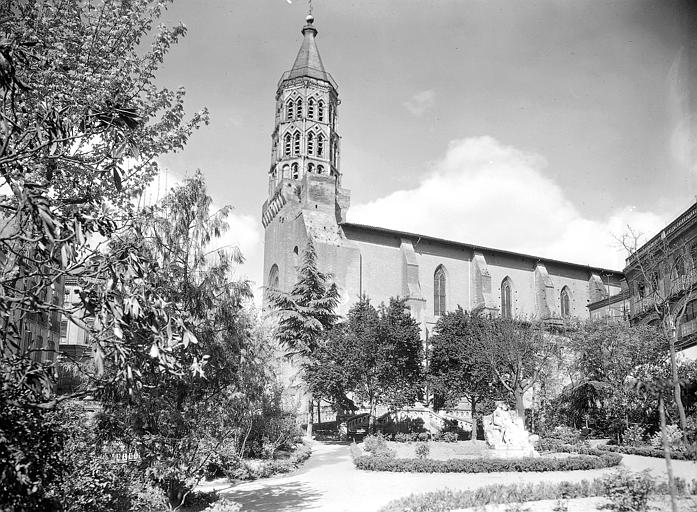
(308, 62)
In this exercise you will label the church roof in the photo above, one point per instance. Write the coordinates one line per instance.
(418, 237)
(308, 63)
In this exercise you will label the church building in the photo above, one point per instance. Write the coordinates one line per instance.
(307, 201)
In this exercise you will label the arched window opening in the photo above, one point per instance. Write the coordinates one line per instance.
(286, 171)
(320, 169)
(565, 302)
(287, 144)
(296, 174)
(273, 277)
(310, 143)
(299, 109)
(439, 291)
(310, 168)
(289, 110)
(296, 143)
(690, 311)
(311, 108)
(320, 145)
(320, 111)
(506, 298)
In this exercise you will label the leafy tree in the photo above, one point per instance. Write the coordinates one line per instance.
(31, 442)
(604, 355)
(454, 369)
(176, 422)
(82, 123)
(327, 373)
(402, 354)
(664, 272)
(306, 314)
(375, 354)
(517, 353)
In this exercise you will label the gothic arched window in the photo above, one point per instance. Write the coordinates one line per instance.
(320, 111)
(565, 298)
(296, 143)
(296, 174)
(289, 110)
(439, 291)
(506, 298)
(273, 277)
(299, 109)
(310, 143)
(320, 169)
(320, 145)
(311, 108)
(287, 144)
(310, 168)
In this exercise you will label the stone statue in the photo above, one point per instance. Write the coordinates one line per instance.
(506, 435)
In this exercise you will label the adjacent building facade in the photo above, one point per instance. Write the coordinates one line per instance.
(306, 201)
(665, 270)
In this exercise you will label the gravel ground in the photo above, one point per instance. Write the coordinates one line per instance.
(329, 482)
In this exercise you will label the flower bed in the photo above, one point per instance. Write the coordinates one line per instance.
(447, 499)
(481, 465)
(511, 493)
(647, 451)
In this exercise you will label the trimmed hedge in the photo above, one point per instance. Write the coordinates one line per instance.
(647, 451)
(572, 463)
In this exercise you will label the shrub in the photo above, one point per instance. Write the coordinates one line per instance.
(628, 492)
(572, 463)
(422, 450)
(223, 505)
(634, 435)
(355, 450)
(566, 435)
(374, 442)
(673, 433)
(200, 499)
(403, 437)
(648, 451)
(423, 436)
(449, 437)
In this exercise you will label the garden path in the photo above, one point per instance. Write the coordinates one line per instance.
(329, 482)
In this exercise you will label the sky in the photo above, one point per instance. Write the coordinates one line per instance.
(545, 127)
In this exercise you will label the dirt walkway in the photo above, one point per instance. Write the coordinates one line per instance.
(329, 482)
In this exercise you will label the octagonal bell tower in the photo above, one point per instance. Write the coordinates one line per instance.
(305, 198)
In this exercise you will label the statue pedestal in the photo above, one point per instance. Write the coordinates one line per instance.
(506, 436)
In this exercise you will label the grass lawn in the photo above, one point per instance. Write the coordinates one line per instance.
(442, 451)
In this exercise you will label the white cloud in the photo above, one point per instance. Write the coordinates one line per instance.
(483, 192)
(421, 102)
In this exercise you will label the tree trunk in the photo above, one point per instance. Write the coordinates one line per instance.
(666, 454)
(520, 404)
(310, 416)
(473, 404)
(319, 414)
(371, 417)
(672, 338)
